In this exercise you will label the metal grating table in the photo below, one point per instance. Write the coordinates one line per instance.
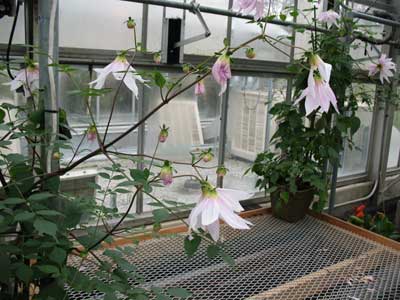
(308, 260)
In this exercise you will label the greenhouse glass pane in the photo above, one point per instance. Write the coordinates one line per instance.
(75, 105)
(249, 125)
(94, 18)
(241, 31)
(5, 28)
(355, 158)
(194, 126)
(217, 25)
(394, 150)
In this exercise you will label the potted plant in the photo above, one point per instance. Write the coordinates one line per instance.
(312, 128)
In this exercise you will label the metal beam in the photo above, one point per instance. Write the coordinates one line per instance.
(221, 12)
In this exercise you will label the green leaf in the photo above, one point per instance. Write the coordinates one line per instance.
(24, 272)
(40, 196)
(45, 227)
(192, 244)
(58, 255)
(48, 269)
(49, 213)
(284, 196)
(13, 201)
(213, 251)
(5, 264)
(159, 79)
(178, 292)
(24, 216)
(2, 115)
(282, 17)
(227, 258)
(160, 215)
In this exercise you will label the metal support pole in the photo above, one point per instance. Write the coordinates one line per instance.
(141, 130)
(48, 81)
(224, 109)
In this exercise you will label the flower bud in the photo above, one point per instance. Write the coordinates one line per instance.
(250, 53)
(221, 171)
(91, 133)
(207, 156)
(199, 88)
(130, 23)
(157, 57)
(166, 173)
(56, 155)
(163, 134)
(186, 68)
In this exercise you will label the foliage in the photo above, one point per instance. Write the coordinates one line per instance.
(305, 145)
(378, 223)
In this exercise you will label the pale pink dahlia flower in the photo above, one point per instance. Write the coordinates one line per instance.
(217, 204)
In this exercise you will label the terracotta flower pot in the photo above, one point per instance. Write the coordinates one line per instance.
(296, 207)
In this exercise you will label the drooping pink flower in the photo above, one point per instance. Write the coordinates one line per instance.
(218, 204)
(199, 88)
(385, 67)
(329, 17)
(162, 137)
(166, 173)
(221, 71)
(248, 6)
(318, 94)
(118, 68)
(28, 78)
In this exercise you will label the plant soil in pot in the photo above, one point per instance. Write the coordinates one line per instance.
(296, 206)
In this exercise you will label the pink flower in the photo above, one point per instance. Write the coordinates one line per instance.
(248, 6)
(157, 57)
(216, 204)
(166, 173)
(91, 133)
(199, 88)
(329, 17)
(318, 94)
(221, 71)
(118, 68)
(385, 67)
(28, 78)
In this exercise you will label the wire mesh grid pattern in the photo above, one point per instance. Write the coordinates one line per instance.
(274, 260)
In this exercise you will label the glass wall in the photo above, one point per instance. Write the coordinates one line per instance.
(394, 150)
(354, 158)
(194, 123)
(95, 18)
(249, 125)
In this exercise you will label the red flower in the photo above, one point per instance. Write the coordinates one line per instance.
(360, 208)
(360, 214)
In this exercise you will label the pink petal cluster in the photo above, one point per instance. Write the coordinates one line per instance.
(28, 78)
(221, 72)
(248, 6)
(166, 173)
(329, 17)
(118, 68)
(385, 67)
(199, 88)
(318, 92)
(217, 204)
